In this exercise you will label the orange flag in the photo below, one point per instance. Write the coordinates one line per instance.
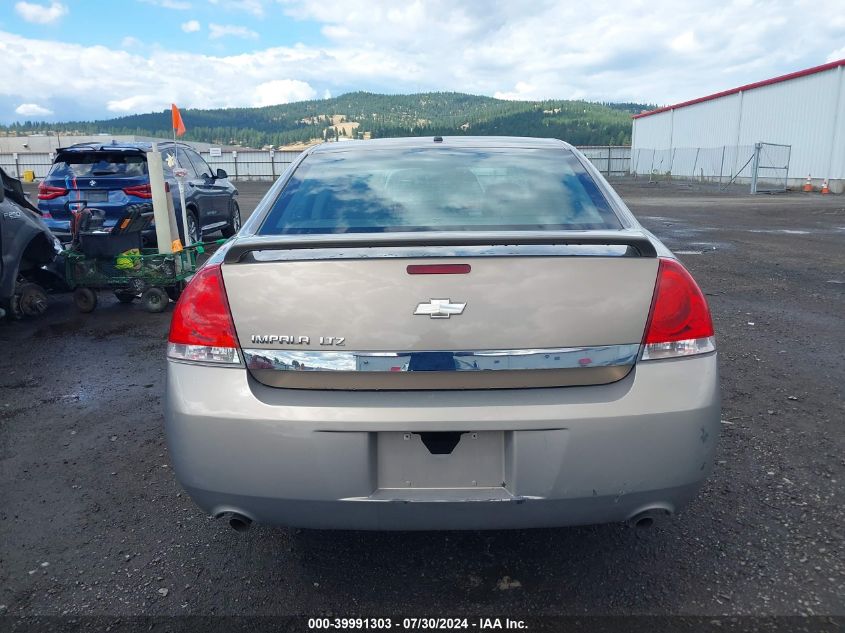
(178, 125)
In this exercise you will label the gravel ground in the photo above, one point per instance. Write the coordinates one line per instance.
(92, 521)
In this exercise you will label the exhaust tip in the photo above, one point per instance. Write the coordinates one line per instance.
(644, 522)
(647, 518)
(239, 523)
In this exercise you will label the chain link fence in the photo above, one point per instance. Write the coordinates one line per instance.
(240, 165)
(764, 165)
(611, 160)
(770, 172)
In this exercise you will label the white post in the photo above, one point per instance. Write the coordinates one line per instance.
(180, 180)
(164, 236)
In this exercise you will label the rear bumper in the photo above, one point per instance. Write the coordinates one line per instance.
(61, 229)
(575, 455)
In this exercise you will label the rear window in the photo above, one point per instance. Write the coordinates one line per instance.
(439, 189)
(99, 164)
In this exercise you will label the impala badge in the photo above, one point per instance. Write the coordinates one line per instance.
(440, 308)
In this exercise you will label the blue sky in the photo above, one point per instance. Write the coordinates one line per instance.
(159, 23)
(85, 59)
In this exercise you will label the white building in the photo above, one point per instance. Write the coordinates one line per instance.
(713, 137)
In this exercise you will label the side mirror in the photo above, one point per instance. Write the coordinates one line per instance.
(221, 174)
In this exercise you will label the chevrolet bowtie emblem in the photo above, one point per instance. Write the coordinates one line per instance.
(440, 308)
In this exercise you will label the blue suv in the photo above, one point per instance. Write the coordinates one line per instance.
(114, 176)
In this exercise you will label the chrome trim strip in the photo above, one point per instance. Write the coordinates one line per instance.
(442, 361)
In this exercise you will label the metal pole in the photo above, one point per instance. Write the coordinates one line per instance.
(695, 163)
(180, 181)
(608, 161)
(754, 167)
(721, 165)
(273, 165)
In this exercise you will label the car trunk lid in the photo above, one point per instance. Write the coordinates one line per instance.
(559, 311)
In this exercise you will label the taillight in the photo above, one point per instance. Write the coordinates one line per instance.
(679, 323)
(49, 192)
(202, 330)
(139, 191)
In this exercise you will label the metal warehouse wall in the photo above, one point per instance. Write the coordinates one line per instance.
(806, 112)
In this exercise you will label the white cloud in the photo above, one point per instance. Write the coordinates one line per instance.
(836, 55)
(97, 77)
(684, 43)
(32, 109)
(177, 5)
(130, 42)
(624, 52)
(216, 31)
(521, 91)
(39, 13)
(253, 7)
(136, 103)
(282, 91)
(191, 26)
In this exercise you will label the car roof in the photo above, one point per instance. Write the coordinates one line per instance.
(446, 141)
(114, 146)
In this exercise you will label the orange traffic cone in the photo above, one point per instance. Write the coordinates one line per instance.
(808, 186)
(825, 188)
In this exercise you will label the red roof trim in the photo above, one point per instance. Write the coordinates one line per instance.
(759, 84)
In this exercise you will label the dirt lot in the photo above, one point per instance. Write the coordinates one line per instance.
(93, 522)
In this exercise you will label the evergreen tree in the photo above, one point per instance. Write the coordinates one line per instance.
(443, 113)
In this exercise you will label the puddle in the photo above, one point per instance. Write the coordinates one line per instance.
(684, 247)
(659, 218)
(82, 395)
(781, 231)
(711, 246)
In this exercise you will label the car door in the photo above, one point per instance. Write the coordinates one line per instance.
(217, 190)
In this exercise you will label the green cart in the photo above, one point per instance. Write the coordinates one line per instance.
(154, 277)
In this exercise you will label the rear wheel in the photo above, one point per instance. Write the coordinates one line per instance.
(155, 300)
(193, 229)
(235, 223)
(30, 300)
(85, 299)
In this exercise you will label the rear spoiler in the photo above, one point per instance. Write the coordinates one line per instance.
(633, 239)
(96, 147)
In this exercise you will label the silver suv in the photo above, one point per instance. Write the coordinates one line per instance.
(459, 333)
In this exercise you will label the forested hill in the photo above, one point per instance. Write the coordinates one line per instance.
(363, 114)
